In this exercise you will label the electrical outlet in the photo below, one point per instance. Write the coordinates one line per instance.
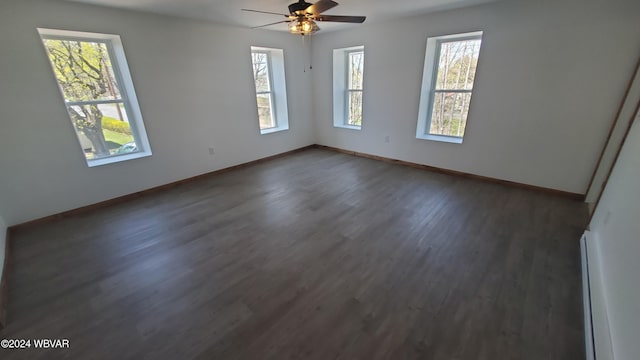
(211, 152)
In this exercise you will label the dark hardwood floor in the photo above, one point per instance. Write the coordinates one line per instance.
(317, 255)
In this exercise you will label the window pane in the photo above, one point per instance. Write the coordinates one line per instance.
(102, 129)
(449, 113)
(83, 70)
(261, 71)
(265, 112)
(356, 67)
(355, 108)
(457, 64)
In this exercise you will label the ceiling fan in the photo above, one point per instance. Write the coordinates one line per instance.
(302, 16)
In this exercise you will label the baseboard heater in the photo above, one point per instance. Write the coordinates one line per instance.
(586, 295)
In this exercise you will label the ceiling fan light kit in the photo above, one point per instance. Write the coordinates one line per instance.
(304, 27)
(303, 16)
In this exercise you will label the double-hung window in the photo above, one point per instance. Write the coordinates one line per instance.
(447, 85)
(355, 65)
(348, 87)
(271, 93)
(93, 76)
(264, 96)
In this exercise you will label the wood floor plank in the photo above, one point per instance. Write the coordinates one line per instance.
(317, 255)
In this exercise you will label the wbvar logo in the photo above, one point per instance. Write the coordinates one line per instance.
(51, 343)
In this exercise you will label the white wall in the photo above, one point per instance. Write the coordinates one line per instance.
(194, 85)
(615, 142)
(550, 78)
(616, 234)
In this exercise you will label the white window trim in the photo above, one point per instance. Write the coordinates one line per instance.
(277, 87)
(123, 76)
(428, 89)
(341, 89)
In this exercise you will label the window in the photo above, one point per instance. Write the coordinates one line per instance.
(93, 76)
(447, 85)
(271, 92)
(348, 86)
(355, 64)
(264, 95)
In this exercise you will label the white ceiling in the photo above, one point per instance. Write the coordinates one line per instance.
(228, 11)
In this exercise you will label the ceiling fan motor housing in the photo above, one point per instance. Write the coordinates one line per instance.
(299, 7)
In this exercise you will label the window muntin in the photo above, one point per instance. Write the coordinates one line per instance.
(94, 81)
(450, 69)
(354, 87)
(262, 76)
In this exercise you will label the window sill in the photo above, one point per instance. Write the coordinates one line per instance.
(352, 127)
(118, 158)
(441, 138)
(273, 130)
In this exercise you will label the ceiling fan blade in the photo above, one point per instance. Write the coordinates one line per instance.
(320, 7)
(275, 23)
(264, 12)
(340, 18)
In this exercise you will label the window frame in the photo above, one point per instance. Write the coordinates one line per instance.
(272, 103)
(429, 85)
(128, 98)
(341, 91)
(277, 87)
(348, 89)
